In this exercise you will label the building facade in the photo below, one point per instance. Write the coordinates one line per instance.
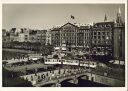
(85, 36)
(119, 38)
(102, 37)
(73, 35)
(68, 33)
(14, 35)
(55, 37)
(41, 36)
(23, 35)
(48, 37)
(4, 35)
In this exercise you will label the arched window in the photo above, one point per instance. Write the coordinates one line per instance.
(43, 76)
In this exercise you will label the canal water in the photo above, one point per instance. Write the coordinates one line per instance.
(81, 83)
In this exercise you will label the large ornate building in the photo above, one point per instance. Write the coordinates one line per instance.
(68, 32)
(103, 38)
(73, 36)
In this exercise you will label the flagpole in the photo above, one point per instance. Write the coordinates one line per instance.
(105, 18)
(72, 19)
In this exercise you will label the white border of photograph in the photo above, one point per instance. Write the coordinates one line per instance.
(64, 88)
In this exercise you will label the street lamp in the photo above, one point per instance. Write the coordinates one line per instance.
(106, 42)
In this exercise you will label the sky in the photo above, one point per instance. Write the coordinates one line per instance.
(45, 16)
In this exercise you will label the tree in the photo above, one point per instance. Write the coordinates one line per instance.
(12, 79)
(55, 56)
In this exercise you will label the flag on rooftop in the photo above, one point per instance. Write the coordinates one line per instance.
(72, 17)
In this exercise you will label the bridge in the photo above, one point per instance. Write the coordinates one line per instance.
(60, 78)
(73, 77)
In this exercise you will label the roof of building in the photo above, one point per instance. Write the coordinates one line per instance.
(33, 32)
(7, 34)
(41, 31)
(13, 30)
(69, 24)
(55, 29)
(103, 24)
(84, 27)
(58, 28)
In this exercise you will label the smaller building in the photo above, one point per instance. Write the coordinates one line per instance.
(48, 37)
(14, 35)
(23, 35)
(5, 36)
(102, 37)
(55, 37)
(41, 36)
(32, 36)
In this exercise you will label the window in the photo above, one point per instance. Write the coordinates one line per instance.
(103, 33)
(98, 37)
(98, 33)
(94, 33)
(94, 37)
(103, 37)
(26, 35)
(42, 76)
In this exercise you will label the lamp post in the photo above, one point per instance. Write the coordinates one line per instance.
(106, 43)
(119, 48)
(89, 59)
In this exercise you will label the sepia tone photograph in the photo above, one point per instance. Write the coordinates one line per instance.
(63, 45)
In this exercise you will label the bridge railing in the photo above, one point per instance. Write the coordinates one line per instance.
(61, 76)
